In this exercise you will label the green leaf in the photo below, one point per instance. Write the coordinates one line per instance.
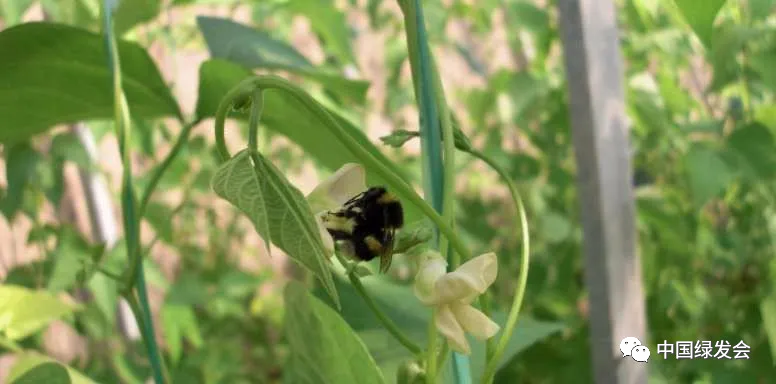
(324, 349)
(247, 46)
(74, 260)
(160, 217)
(30, 360)
(708, 173)
(398, 138)
(180, 323)
(133, 12)
(33, 274)
(286, 115)
(761, 9)
(729, 40)
(105, 293)
(188, 289)
(21, 161)
(768, 314)
(49, 373)
(704, 126)
(253, 48)
(277, 209)
(11, 11)
(527, 333)
(762, 63)
(67, 147)
(753, 145)
(555, 227)
(82, 13)
(330, 24)
(24, 311)
(54, 74)
(700, 15)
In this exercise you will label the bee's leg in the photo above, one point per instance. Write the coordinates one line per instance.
(344, 247)
(352, 267)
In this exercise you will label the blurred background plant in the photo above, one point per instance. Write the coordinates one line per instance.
(700, 92)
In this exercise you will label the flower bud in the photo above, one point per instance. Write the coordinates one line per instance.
(410, 372)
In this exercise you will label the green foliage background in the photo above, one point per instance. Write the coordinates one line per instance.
(700, 83)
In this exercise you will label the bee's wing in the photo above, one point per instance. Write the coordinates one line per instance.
(386, 257)
(354, 200)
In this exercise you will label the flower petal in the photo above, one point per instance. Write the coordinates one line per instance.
(328, 241)
(430, 271)
(468, 281)
(332, 193)
(475, 322)
(448, 326)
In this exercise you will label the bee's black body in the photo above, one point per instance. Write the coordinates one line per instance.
(367, 223)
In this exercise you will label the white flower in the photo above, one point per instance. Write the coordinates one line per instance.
(451, 295)
(333, 192)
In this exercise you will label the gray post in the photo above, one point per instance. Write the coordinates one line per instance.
(600, 136)
(102, 219)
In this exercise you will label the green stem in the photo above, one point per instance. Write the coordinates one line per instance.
(257, 104)
(387, 322)
(149, 340)
(514, 311)
(159, 171)
(431, 358)
(134, 275)
(448, 212)
(235, 96)
(110, 274)
(442, 357)
(433, 176)
(427, 82)
(367, 159)
(485, 302)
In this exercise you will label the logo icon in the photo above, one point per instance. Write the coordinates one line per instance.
(640, 353)
(631, 346)
(627, 344)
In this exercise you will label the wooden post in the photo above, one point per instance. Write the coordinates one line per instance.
(601, 145)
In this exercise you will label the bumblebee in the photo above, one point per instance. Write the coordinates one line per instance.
(366, 225)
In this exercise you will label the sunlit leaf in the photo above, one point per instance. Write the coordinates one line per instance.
(24, 311)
